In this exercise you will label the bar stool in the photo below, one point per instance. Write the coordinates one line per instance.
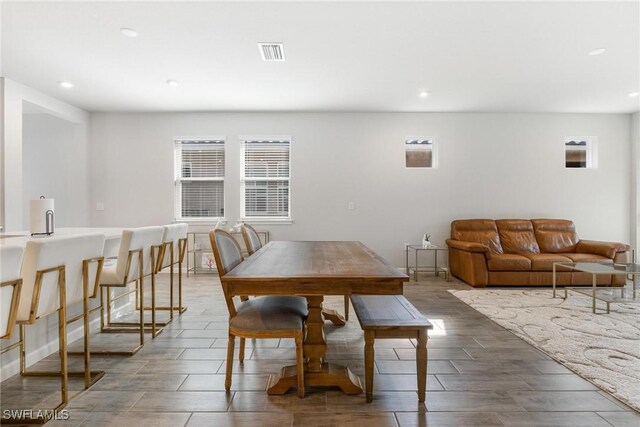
(56, 273)
(137, 258)
(10, 286)
(174, 247)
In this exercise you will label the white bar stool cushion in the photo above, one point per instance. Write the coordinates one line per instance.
(132, 239)
(173, 233)
(50, 252)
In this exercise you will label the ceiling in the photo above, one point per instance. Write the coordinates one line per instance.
(340, 56)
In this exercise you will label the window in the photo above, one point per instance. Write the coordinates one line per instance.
(580, 152)
(265, 178)
(420, 152)
(199, 184)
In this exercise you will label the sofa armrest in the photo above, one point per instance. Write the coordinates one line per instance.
(468, 246)
(606, 249)
(468, 261)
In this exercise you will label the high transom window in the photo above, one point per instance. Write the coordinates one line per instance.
(420, 152)
(580, 152)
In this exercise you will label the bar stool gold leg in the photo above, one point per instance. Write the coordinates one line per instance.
(62, 338)
(171, 307)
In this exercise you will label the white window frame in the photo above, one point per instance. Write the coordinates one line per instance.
(178, 179)
(243, 179)
(591, 150)
(434, 152)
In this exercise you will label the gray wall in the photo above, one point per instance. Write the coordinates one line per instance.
(54, 157)
(17, 102)
(490, 165)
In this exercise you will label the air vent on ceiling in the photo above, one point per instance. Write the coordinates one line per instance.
(271, 51)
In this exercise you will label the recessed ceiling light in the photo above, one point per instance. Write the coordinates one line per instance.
(172, 83)
(128, 32)
(633, 94)
(66, 84)
(596, 52)
(424, 94)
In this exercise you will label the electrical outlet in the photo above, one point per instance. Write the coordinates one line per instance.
(351, 206)
(100, 206)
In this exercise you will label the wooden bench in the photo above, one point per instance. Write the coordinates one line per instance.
(391, 316)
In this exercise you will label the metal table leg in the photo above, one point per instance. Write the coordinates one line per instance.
(406, 259)
(593, 292)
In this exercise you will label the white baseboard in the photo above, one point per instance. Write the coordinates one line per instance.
(10, 369)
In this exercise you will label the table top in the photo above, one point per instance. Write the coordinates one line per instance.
(315, 268)
(624, 295)
(421, 247)
(601, 267)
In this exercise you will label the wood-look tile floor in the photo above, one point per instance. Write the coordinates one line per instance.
(478, 375)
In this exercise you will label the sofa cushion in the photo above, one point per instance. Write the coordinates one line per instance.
(555, 235)
(482, 231)
(508, 262)
(575, 257)
(517, 236)
(544, 262)
(528, 278)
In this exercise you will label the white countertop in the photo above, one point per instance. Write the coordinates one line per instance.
(112, 237)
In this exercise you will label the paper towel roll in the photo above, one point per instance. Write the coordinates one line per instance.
(38, 213)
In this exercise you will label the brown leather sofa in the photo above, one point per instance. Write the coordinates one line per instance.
(521, 252)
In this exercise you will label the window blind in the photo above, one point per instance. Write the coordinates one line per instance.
(199, 184)
(266, 174)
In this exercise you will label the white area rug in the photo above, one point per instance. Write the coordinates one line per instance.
(602, 348)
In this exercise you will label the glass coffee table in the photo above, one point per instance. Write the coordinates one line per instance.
(628, 294)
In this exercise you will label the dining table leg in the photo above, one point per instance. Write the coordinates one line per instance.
(315, 346)
(333, 316)
(317, 371)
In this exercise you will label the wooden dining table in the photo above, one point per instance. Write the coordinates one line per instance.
(314, 269)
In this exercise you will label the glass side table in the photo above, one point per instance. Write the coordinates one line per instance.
(417, 268)
(199, 246)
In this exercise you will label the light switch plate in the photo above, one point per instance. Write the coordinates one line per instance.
(100, 206)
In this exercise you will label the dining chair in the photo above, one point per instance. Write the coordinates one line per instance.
(251, 238)
(174, 247)
(262, 317)
(56, 274)
(253, 243)
(137, 259)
